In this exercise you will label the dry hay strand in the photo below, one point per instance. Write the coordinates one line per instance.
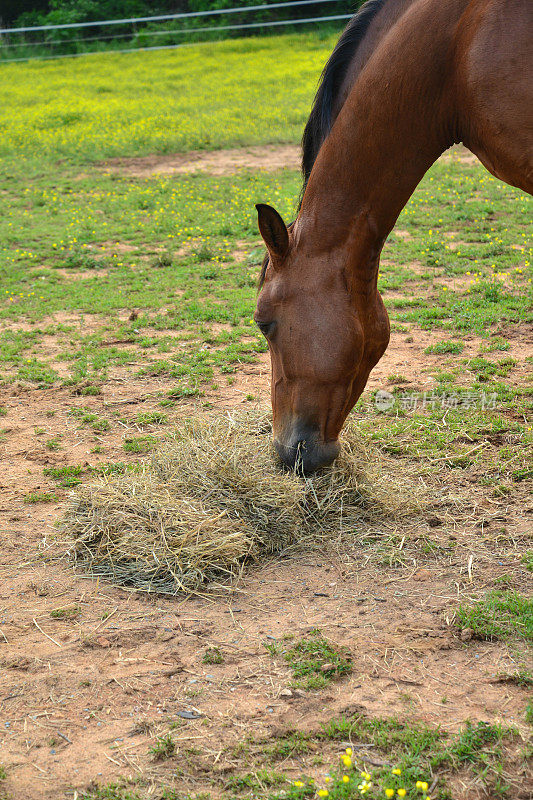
(214, 497)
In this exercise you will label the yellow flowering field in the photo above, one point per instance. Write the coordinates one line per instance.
(201, 96)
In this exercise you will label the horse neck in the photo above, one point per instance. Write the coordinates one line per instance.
(399, 117)
(387, 16)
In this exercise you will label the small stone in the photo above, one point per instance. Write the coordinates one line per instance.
(327, 667)
(466, 634)
(188, 715)
(286, 693)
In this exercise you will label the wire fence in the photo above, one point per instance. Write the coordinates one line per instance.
(162, 32)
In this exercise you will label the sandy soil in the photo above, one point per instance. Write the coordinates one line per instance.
(217, 162)
(225, 162)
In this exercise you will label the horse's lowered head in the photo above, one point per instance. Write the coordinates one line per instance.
(325, 332)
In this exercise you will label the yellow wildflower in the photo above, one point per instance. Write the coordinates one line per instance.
(345, 779)
(389, 792)
(347, 761)
(396, 772)
(298, 784)
(401, 792)
(323, 793)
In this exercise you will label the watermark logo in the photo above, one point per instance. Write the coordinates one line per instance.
(384, 400)
(411, 401)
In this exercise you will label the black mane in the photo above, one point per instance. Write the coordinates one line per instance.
(320, 121)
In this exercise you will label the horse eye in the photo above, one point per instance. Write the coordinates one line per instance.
(266, 327)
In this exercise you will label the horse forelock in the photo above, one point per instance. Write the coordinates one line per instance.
(320, 120)
(262, 274)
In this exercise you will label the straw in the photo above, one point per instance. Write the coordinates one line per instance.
(214, 497)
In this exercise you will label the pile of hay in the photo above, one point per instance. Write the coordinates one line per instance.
(213, 497)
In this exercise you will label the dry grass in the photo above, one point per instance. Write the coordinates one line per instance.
(214, 497)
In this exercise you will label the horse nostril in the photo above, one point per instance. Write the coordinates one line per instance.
(306, 454)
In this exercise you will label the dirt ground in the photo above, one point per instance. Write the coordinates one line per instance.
(226, 162)
(217, 162)
(82, 699)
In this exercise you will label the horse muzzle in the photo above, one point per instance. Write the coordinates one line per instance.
(301, 449)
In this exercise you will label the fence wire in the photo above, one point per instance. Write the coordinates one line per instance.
(46, 42)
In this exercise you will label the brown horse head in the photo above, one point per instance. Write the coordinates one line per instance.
(324, 337)
(431, 74)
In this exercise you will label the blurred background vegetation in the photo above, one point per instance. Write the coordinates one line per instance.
(72, 41)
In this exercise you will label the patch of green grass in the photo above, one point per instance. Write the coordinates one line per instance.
(257, 781)
(40, 497)
(113, 468)
(36, 371)
(504, 581)
(419, 435)
(164, 748)
(314, 661)
(100, 425)
(484, 369)
(529, 713)
(441, 348)
(151, 418)
(181, 392)
(497, 343)
(469, 746)
(86, 417)
(292, 744)
(68, 613)
(413, 755)
(88, 391)
(3, 411)
(3, 773)
(113, 791)
(139, 444)
(527, 560)
(68, 476)
(499, 615)
(521, 677)
(395, 736)
(213, 656)
(54, 443)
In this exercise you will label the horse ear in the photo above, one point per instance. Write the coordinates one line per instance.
(273, 230)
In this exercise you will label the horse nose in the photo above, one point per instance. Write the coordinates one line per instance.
(293, 454)
(303, 451)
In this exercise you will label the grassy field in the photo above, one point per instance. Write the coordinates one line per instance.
(110, 280)
(203, 96)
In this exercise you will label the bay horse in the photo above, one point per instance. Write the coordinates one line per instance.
(407, 79)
